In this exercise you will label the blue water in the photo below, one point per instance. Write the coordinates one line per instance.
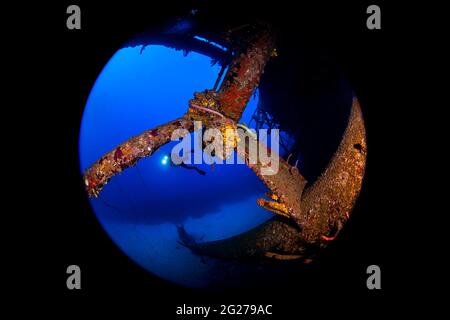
(140, 208)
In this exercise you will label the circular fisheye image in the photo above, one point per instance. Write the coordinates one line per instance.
(215, 162)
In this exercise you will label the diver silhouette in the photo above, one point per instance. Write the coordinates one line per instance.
(186, 166)
(188, 241)
(185, 238)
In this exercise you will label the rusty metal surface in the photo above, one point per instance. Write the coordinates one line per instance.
(325, 206)
(244, 74)
(287, 184)
(128, 153)
(313, 217)
(231, 100)
(328, 203)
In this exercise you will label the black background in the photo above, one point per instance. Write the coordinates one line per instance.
(60, 67)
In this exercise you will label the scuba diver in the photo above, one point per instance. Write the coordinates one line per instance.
(188, 241)
(185, 238)
(182, 164)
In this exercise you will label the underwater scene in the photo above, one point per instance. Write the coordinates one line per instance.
(143, 208)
